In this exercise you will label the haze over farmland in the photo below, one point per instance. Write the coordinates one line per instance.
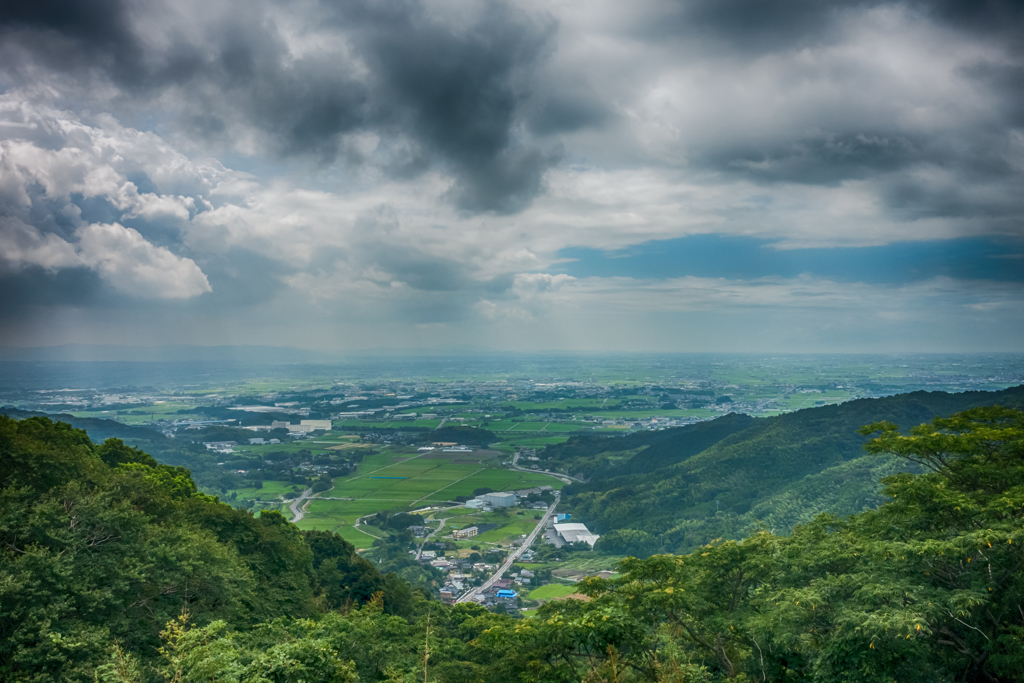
(259, 433)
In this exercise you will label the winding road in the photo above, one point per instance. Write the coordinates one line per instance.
(419, 551)
(298, 510)
(557, 475)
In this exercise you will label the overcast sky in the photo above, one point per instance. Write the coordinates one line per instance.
(697, 175)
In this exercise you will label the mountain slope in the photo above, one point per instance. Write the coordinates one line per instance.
(719, 490)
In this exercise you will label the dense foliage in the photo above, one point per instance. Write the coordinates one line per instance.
(102, 544)
(115, 569)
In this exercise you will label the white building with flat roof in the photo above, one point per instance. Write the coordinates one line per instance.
(500, 500)
(571, 532)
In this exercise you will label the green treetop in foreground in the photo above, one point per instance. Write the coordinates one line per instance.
(927, 588)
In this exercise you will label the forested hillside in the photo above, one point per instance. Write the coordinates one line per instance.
(600, 457)
(681, 491)
(113, 568)
(101, 544)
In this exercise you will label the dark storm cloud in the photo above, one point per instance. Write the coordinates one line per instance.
(1007, 79)
(76, 33)
(747, 25)
(451, 94)
(457, 92)
(997, 19)
(822, 158)
(764, 26)
(570, 109)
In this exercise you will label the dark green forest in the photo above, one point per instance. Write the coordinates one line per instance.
(113, 567)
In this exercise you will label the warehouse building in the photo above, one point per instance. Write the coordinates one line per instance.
(574, 531)
(500, 500)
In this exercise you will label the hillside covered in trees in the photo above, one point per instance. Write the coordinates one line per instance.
(114, 568)
(677, 489)
(101, 544)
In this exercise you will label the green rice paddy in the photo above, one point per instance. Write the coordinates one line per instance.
(550, 591)
(416, 479)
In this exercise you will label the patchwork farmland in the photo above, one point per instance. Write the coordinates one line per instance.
(404, 479)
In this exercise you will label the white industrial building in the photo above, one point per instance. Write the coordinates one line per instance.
(500, 500)
(571, 532)
(304, 427)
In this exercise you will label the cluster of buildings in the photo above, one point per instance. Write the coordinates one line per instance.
(260, 441)
(501, 593)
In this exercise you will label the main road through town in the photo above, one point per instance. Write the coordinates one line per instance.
(514, 555)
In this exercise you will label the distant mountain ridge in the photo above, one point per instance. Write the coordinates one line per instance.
(99, 429)
(178, 352)
(241, 353)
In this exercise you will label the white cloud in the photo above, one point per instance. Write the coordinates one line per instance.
(134, 266)
(56, 152)
(120, 255)
(51, 157)
(22, 244)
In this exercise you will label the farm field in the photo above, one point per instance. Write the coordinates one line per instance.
(357, 538)
(328, 514)
(589, 562)
(515, 527)
(499, 425)
(580, 404)
(142, 414)
(550, 591)
(509, 443)
(531, 426)
(568, 427)
(404, 479)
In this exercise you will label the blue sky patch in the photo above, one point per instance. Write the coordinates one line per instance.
(747, 258)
